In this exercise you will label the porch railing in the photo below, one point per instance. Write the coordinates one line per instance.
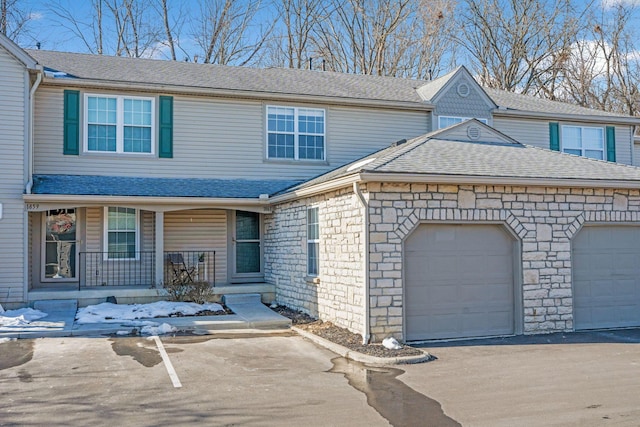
(138, 268)
(194, 266)
(117, 269)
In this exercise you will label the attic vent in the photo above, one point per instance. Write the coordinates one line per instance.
(463, 90)
(473, 132)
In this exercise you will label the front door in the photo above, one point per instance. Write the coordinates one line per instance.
(59, 245)
(247, 244)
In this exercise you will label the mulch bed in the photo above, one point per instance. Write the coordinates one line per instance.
(225, 310)
(342, 336)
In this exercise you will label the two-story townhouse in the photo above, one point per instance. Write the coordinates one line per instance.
(264, 181)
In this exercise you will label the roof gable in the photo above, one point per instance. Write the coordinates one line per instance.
(17, 52)
(460, 82)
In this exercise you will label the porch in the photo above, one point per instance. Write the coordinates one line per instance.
(90, 253)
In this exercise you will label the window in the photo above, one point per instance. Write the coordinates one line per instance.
(583, 141)
(121, 231)
(295, 133)
(119, 124)
(313, 241)
(446, 121)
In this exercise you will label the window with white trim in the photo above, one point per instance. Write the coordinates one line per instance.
(121, 233)
(119, 124)
(586, 141)
(295, 133)
(313, 242)
(446, 121)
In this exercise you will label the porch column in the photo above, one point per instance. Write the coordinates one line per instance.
(159, 226)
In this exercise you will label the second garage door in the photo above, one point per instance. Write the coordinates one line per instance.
(459, 282)
(606, 277)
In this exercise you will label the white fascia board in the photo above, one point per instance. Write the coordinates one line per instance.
(324, 187)
(495, 180)
(47, 201)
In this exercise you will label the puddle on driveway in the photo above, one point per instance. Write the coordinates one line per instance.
(141, 350)
(15, 353)
(394, 400)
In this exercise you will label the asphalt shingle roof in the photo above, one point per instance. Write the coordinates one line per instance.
(208, 76)
(92, 185)
(279, 81)
(438, 154)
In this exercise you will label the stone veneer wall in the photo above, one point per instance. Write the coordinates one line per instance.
(339, 295)
(544, 219)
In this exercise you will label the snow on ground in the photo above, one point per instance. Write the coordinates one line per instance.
(165, 328)
(20, 317)
(117, 313)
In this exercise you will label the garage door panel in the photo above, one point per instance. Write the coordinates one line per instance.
(606, 277)
(459, 282)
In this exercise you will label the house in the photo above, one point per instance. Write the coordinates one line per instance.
(422, 210)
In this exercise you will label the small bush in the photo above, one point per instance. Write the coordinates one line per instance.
(188, 291)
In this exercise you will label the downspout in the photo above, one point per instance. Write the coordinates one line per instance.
(25, 232)
(366, 335)
(32, 94)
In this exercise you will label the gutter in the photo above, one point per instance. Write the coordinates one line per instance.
(498, 112)
(496, 180)
(366, 334)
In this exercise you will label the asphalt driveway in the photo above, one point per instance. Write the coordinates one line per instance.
(255, 380)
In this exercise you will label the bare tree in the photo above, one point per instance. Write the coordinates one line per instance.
(602, 70)
(292, 43)
(358, 34)
(229, 32)
(14, 19)
(118, 27)
(510, 42)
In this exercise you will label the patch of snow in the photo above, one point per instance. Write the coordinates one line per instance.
(117, 313)
(391, 343)
(165, 328)
(4, 340)
(273, 305)
(123, 332)
(20, 317)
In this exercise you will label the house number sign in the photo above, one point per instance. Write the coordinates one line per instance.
(32, 206)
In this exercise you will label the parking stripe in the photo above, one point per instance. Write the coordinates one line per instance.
(167, 363)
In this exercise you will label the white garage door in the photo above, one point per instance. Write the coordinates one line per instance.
(459, 282)
(606, 277)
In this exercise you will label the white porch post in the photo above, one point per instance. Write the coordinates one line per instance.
(159, 226)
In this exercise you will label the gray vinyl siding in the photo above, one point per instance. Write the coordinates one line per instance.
(536, 133)
(199, 230)
(636, 154)
(13, 110)
(221, 138)
(531, 132)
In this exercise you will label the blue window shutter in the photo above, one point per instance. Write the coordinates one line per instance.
(71, 122)
(554, 136)
(165, 131)
(611, 143)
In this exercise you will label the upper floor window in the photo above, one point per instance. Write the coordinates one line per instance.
(583, 141)
(446, 121)
(295, 133)
(119, 124)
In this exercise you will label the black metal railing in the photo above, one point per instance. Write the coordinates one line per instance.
(190, 266)
(117, 269)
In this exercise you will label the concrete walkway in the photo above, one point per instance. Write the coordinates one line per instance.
(248, 314)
